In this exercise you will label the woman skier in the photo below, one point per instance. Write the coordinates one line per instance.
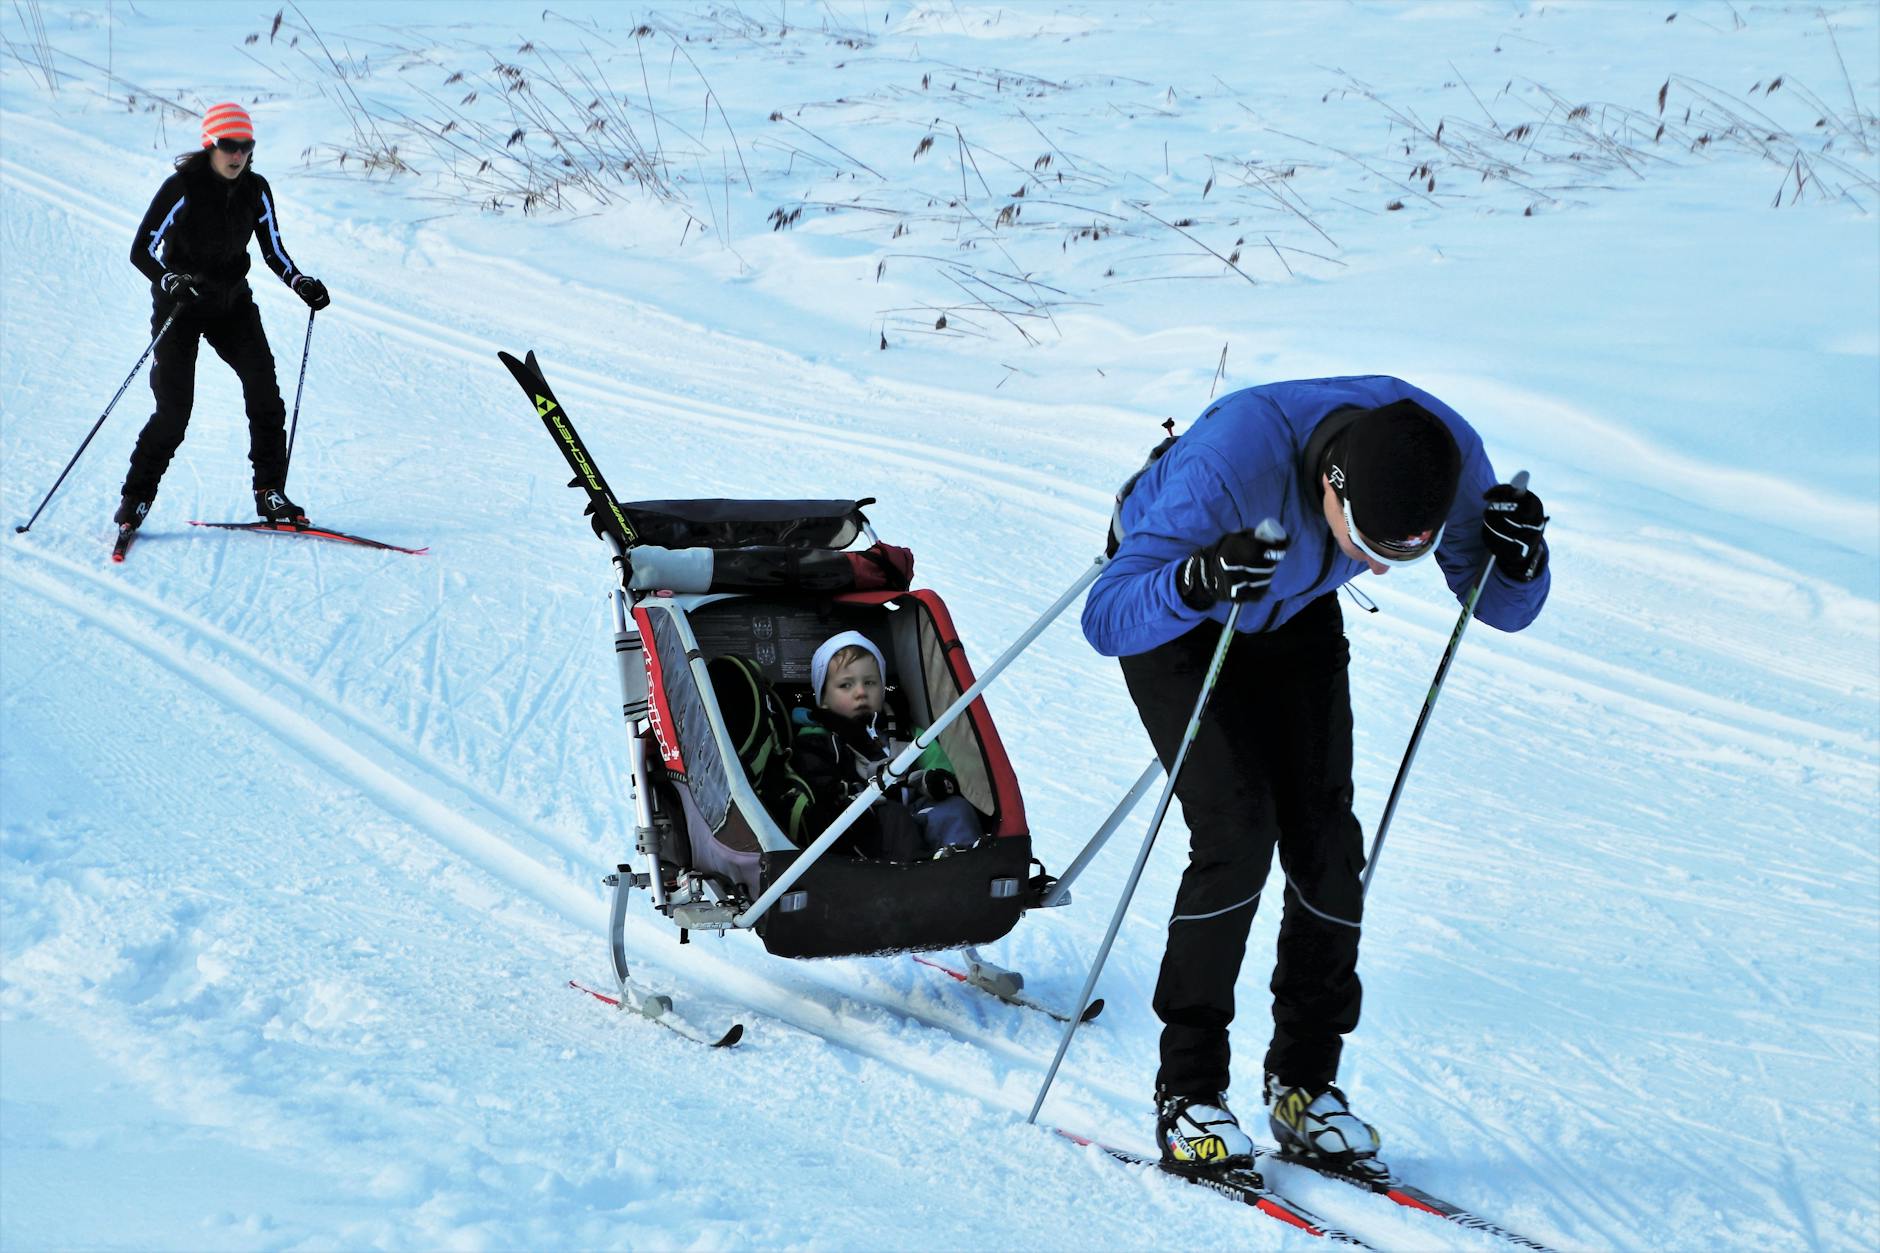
(193, 247)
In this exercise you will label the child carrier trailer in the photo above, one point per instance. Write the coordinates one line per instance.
(719, 846)
(698, 581)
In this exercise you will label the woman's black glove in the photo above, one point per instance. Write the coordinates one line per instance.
(1512, 524)
(182, 288)
(313, 291)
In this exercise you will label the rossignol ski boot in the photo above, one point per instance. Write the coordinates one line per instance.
(129, 516)
(276, 509)
(131, 512)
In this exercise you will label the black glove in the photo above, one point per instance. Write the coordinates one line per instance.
(182, 288)
(935, 784)
(1236, 567)
(1512, 525)
(313, 291)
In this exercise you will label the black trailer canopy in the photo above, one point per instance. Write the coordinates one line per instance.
(798, 524)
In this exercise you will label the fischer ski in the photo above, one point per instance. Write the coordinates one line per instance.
(1010, 994)
(603, 510)
(1242, 1184)
(1394, 1189)
(122, 544)
(312, 532)
(659, 1009)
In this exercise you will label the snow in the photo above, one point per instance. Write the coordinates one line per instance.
(299, 844)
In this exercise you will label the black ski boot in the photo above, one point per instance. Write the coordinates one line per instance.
(129, 516)
(1200, 1131)
(276, 509)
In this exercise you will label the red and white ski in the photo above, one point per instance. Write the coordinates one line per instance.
(311, 532)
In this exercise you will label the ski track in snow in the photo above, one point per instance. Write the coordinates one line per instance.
(418, 797)
(327, 845)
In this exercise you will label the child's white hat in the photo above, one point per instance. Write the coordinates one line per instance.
(819, 664)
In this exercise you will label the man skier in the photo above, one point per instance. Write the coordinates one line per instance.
(1361, 473)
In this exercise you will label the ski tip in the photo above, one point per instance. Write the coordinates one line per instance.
(730, 1037)
(955, 975)
(599, 996)
(1092, 1010)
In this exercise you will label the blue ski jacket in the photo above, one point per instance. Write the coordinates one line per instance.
(1244, 460)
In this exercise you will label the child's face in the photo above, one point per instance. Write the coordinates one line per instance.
(853, 689)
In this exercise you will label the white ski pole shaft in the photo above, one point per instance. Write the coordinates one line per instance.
(1142, 856)
(1062, 888)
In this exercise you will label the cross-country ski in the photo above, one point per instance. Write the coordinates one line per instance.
(311, 532)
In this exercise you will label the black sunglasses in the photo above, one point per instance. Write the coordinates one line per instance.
(235, 145)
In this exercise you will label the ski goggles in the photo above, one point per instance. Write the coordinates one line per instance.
(235, 145)
(1399, 552)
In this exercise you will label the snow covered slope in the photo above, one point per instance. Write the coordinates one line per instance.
(299, 843)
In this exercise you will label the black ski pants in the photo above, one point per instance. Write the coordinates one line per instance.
(232, 325)
(1270, 768)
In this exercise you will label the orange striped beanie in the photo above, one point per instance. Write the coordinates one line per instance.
(226, 121)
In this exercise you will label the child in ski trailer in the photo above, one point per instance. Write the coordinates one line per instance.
(193, 247)
(1361, 474)
(839, 746)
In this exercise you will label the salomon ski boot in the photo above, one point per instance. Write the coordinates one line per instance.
(1315, 1125)
(1200, 1131)
(276, 509)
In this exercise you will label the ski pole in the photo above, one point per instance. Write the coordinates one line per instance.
(1061, 891)
(1429, 703)
(100, 422)
(1142, 857)
(1268, 530)
(305, 344)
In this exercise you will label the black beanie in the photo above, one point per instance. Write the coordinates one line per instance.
(1401, 466)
